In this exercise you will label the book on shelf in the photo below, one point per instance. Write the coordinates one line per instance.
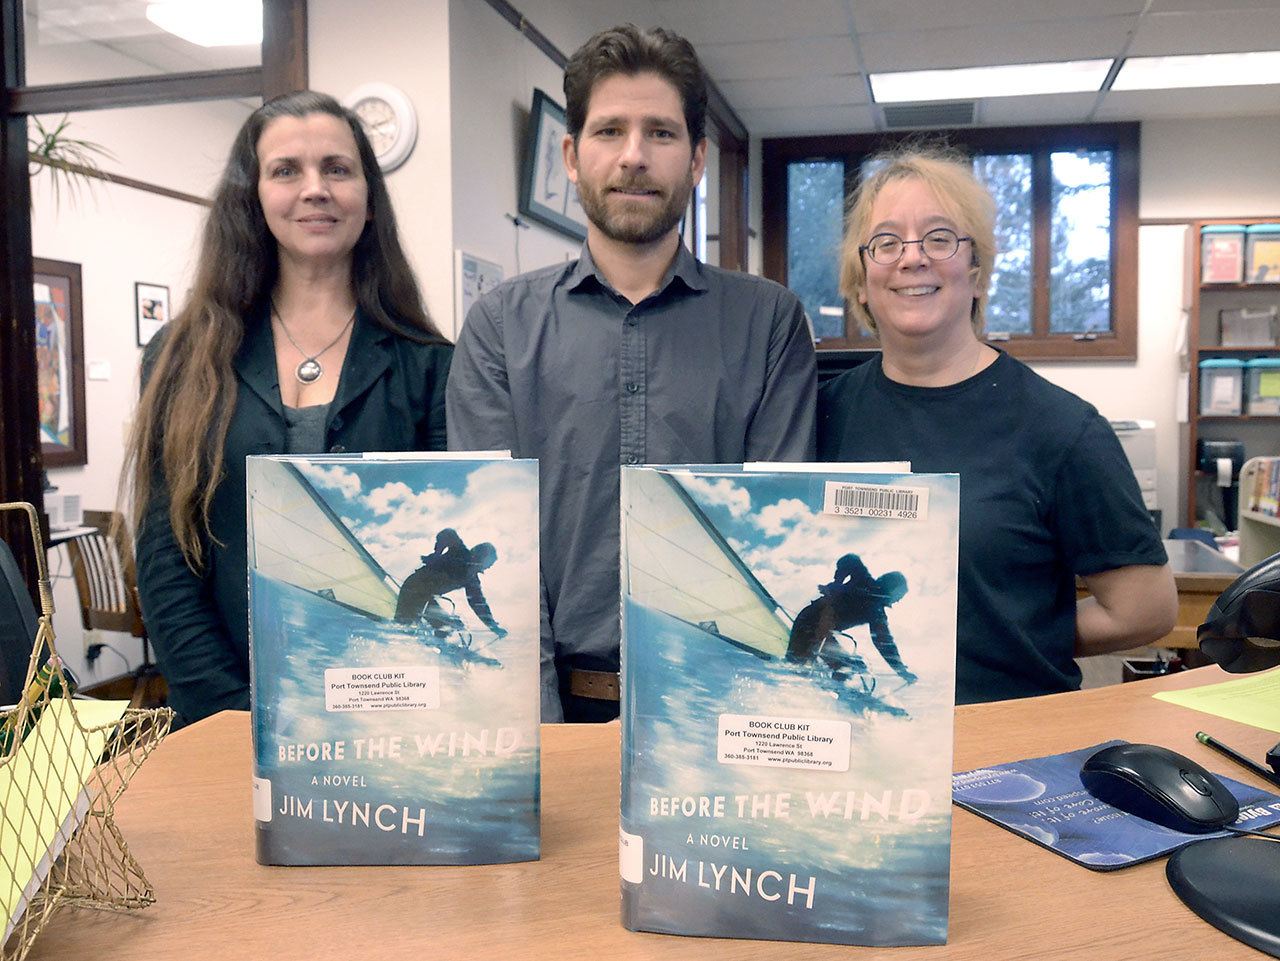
(1043, 800)
(788, 678)
(1264, 496)
(394, 633)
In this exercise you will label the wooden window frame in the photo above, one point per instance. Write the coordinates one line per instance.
(1120, 343)
(283, 70)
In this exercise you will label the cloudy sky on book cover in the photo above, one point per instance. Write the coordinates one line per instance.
(801, 798)
(384, 735)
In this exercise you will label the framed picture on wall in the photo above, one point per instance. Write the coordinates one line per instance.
(473, 277)
(151, 308)
(59, 324)
(546, 194)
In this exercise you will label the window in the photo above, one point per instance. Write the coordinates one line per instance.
(1064, 282)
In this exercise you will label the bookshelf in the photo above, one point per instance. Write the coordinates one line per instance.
(1259, 434)
(1259, 505)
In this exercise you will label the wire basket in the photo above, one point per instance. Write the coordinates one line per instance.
(63, 765)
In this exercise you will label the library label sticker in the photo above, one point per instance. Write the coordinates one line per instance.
(880, 501)
(381, 689)
(765, 741)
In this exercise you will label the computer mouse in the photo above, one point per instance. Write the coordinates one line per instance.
(1159, 785)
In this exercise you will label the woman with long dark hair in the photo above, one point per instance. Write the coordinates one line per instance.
(304, 332)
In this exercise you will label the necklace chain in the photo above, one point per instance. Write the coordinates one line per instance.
(310, 370)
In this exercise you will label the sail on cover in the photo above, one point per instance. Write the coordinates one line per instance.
(295, 538)
(678, 563)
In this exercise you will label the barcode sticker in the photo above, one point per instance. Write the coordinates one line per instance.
(876, 500)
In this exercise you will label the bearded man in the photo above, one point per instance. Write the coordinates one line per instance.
(635, 353)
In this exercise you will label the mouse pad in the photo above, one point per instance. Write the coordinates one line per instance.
(1043, 800)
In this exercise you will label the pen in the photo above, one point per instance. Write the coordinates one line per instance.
(1269, 776)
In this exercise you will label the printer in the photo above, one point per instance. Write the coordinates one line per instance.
(1138, 438)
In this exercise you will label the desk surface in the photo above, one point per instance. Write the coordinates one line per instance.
(1194, 558)
(188, 819)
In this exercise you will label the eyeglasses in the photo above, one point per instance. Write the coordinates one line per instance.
(940, 243)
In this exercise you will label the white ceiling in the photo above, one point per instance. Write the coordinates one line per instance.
(799, 66)
(791, 67)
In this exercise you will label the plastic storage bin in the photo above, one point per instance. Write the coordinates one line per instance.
(1221, 386)
(1247, 326)
(1222, 253)
(1262, 254)
(1262, 386)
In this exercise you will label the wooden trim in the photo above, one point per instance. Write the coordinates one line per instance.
(20, 471)
(774, 157)
(284, 47)
(530, 32)
(728, 124)
(1041, 243)
(138, 91)
(733, 219)
(122, 180)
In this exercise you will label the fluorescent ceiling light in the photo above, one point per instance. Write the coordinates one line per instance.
(210, 23)
(1007, 80)
(1199, 70)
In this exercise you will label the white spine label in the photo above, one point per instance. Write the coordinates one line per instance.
(630, 857)
(261, 799)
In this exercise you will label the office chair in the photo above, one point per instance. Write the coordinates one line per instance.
(18, 623)
(1234, 883)
(107, 584)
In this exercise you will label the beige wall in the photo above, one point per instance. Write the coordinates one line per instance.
(471, 77)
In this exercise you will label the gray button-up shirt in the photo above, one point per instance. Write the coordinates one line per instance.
(714, 367)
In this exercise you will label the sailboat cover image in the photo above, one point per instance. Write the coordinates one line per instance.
(394, 636)
(788, 672)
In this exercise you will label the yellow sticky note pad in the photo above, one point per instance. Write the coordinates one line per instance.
(43, 796)
(1253, 700)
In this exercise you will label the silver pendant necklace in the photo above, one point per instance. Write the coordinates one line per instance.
(310, 371)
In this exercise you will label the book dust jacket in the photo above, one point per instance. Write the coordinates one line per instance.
(788, 685)
(393, 609)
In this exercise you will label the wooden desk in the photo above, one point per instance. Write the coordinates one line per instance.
(1201, 574)
(187, 818)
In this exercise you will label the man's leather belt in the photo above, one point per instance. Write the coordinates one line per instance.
(600, 685)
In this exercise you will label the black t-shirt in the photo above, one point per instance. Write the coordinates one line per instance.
(1046, 493)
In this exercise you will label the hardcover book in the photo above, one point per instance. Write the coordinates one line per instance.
(1043, 800)
(788, 669)
(394, 631)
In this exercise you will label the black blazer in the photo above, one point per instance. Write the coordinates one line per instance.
(390, 397)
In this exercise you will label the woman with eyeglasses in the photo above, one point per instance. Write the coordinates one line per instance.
(1046, 492)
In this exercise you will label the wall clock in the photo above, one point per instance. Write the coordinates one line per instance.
(389, 121)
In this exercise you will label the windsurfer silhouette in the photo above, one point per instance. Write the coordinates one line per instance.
(450, 567)
(853, 597)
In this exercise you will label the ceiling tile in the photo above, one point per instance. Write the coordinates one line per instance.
(778, 58)
(791, 122)
(982, 46)
(1209, 6)
(1024, 111)
(817, 91)
(1200, 102)
(1225, 31)
(893, 15)
(733, 21)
